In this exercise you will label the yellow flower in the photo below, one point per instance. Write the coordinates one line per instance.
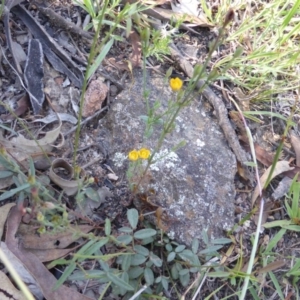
(41, 230)
(40, 217)
(133, 155)
(144, 153)
(176, 84)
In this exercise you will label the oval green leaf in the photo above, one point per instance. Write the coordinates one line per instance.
(149, 276)
(144, 233)
(135, 272)
(171, 256)
(195, 245)
(125, 239)
(180, 248)
(133, 217)
(138, 259)
(119, 282)
(107, 227)
(141, 250)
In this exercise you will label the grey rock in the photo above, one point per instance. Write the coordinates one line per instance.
(194, 184)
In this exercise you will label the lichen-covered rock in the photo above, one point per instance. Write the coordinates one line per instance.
(194, 184)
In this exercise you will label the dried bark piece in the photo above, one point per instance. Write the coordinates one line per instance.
(57, 57)
(94, 97)
(34, 74)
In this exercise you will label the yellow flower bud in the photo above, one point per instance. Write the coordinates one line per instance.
(91, 180)
(40, 217)
(133, 155)
(41, 230)
(144, 153)
(176, 84)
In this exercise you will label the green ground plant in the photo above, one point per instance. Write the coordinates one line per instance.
(137, 267)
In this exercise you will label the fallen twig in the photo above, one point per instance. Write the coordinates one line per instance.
(61, 22)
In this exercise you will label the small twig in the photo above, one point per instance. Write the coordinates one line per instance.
(138, 292)
(191, 286)
(209, 263)
(92, 162)
(86, 120)
(88, 281)
(61, 22)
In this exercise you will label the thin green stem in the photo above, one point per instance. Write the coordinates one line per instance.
(91, 57)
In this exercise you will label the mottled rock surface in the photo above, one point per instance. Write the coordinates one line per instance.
(195, 184)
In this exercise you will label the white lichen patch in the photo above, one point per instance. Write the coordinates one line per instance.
(119, 159)
(165, 159)
(181, 199)
(171, 234)
(135, 124)
(177, 128)
(179, 119)
(226, 226)
(200, 143)
(212, 207)
(118, 107)
(178, 212)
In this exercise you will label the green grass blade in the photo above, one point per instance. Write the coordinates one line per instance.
(100, 58)
(276, 284)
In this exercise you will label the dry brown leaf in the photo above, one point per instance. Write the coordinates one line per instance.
(69, 186)
(135, 56)
(281, 166)
(22, 106)
(39, 272)
(8, 290)
(22, 272)
(4, 211)
(295, 141)
(50, 240)
(266, 158)
(237, 120)
(241, 171)
(272, 266)
(227, 256)
(263, 156)
(21, 148)
(21, 144)
(47, 255)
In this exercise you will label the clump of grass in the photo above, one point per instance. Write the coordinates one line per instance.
(268, 33)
